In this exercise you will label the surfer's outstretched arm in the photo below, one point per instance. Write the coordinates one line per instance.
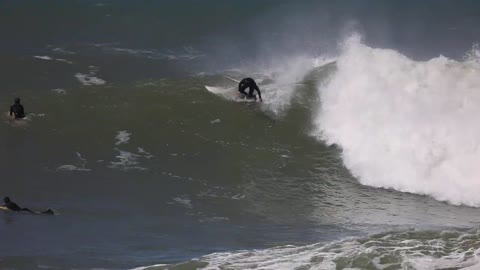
(259, 94)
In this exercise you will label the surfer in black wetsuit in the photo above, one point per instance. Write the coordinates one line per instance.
(17, 110)
(14, 207)
(249, 83)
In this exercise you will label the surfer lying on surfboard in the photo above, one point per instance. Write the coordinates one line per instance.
(14, 207)
(249, 83)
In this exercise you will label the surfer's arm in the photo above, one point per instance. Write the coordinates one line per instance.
(27, 210)
(259, 94)
(13, 206)
(241, 88)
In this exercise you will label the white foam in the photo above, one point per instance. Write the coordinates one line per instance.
(59, 91)
(145, 154)
(71, 168)
(184, 201)
(238, 196)
(44, 57)
(122, 137)
(126, 161)
(89, 80)
(48, 58)
(407, 250)
(63, 60)
(147, 267)
(81, 165)
(62, 51)
(407, 125)
(35, 115)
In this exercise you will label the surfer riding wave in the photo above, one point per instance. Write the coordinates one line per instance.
(252, 85)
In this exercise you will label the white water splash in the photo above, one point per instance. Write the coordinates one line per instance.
(406, 125)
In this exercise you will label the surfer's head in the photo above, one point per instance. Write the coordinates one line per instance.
(17, 100)
(6, 200)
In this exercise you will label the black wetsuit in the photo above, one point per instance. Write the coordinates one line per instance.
(249, 83)
(17, 110)
(14, 207)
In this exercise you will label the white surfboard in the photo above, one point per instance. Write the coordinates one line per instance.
(228, 93)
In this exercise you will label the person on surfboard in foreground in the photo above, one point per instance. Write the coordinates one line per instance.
(14, 207)
(17, 110)
(249, 83)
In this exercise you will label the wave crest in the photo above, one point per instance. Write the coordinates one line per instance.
(403, 124)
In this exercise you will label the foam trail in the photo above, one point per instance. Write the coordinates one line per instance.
(407, 125)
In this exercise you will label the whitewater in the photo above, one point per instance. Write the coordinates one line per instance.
(402, 124)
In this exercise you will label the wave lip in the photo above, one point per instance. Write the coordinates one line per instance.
(406, 125)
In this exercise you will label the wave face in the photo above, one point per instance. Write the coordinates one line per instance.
(406, 125)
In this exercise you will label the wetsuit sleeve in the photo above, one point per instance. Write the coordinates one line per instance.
(13, 206)
(11, 110)
(258, 91)
(22, 112)
(242, 87)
